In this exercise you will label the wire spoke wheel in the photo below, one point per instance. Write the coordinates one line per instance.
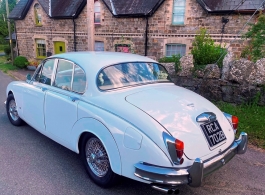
(97, 157)
(13, 110)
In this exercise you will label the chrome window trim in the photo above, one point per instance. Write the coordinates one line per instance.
(140, 84)
(85, 78)
(73, 71)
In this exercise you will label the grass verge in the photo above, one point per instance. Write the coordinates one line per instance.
(251, 120)
(5, 67)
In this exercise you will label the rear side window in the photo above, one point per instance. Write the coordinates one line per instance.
(79, 81)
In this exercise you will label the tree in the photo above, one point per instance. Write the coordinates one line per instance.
(3, 18)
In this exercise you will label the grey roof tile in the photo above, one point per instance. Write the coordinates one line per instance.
(20, 10)
(60, 8)
(230, 5)
(133, 7)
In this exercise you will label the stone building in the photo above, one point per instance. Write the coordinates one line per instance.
(46, 27)
(172, 24)
(154, 28)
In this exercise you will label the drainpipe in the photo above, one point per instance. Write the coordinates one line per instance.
(74, 34)
(146, 36)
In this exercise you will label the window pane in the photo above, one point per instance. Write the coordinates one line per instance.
(41, 48)
(46, 73)
(79, 82)
(179, 2)
(175, 49)
(178, 12)
(37, 14)
(128, 74)
(64, 73)
(97, 18)
(97, 7)
(178, 19)
(99, 46)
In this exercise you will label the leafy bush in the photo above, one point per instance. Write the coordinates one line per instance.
(256, 34)
(246, 53)
(173, 58)
(205, 52)
(21, 62)
(7, 50)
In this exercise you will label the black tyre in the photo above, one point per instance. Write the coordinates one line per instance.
(11, 110)
(96, 161)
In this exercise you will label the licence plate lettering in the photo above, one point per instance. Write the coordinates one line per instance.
(213, 133)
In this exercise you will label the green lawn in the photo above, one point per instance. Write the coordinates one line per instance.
(5, 67)
(251, 120)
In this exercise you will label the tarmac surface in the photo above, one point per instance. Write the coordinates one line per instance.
(31, 163)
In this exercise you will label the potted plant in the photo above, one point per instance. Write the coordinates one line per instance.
(33, 64)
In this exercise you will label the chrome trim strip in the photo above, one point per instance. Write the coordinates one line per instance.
(161, 175)
(170, 144)
(229, 118)
(194, 174)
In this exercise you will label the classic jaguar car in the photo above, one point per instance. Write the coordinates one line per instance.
(125, 117)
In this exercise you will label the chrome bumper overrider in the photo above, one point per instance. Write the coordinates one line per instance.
(194, 174)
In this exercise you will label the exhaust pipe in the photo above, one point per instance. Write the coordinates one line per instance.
(166, 189)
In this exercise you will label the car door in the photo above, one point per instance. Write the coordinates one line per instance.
(34, 94)
(61, 103)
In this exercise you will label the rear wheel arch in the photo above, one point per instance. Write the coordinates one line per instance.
(96, 161)
(93, 127)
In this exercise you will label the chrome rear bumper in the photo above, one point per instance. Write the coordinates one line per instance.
(194, 174)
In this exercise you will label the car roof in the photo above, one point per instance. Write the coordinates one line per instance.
(98, 60)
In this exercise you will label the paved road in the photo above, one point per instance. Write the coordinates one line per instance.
(2, 54)
(30, 163)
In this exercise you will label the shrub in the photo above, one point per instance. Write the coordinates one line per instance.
(7, 50)
(173, 58)
(256, 49)
(205, 52)
(21, 62)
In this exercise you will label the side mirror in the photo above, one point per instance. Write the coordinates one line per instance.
(28, 78)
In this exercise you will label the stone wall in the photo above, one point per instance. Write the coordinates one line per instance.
(51, 30)
(239, 81)
(161, 31)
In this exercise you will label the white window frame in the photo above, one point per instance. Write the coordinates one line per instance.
(179, 47)
(97, 11)
(178, 11)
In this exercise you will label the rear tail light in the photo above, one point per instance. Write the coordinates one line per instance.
(235, 122)
(180, 150)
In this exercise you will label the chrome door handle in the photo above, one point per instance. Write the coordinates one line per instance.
(42, 88)
(74, 99)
